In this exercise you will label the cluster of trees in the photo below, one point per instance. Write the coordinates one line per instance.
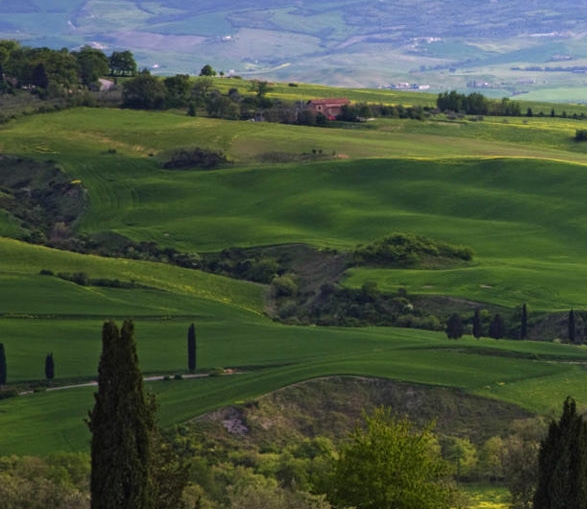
(482, 324)
(51, 73)
(477, 104)
(407, 250)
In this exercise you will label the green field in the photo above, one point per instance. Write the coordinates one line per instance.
(511, 189)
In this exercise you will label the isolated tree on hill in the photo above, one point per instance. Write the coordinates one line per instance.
(207, 70)
(571, 326)
(477, 328)
(524, 322)
(2, 365)
(121, 423)
(192, 348)
(49, 367)
(562, 463)
(454, 327)
(497, 327)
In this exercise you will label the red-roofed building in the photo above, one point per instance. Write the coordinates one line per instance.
(330, 108)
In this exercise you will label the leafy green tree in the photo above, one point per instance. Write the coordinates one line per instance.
(2, 365)
(477, 327)
(144, 92)
(571, 330)
(207, 70)
(497, 327)
(178, 90)
(122, 63)
(92, 63)
(49, 367)
(562, 463)
(390, 465)
(121, 424)
(454, 327)
(192, 348)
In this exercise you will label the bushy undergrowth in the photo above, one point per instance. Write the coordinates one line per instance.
(408, 250)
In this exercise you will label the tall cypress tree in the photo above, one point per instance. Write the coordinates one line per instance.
(192, 348)
(454, 327)
(121, 424)
(497, 327)
(562, 463)
(2, 365)
(524, 322)
(477, 329)
(571, 326)
(49, 367)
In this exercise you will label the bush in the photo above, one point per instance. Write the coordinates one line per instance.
(581, 135)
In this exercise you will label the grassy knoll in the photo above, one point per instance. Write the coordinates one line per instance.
(511, 191)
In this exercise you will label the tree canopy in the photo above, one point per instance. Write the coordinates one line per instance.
(391, 465)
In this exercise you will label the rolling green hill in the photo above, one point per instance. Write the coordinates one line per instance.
(511, 189)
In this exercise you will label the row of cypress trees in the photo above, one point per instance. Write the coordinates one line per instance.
(49, 366)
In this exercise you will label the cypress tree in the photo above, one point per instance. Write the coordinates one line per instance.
(192, 348)
(497, 327)
(571, 326)
(2, 365)
(524, 323)
(49, 367)
(477, 329)
(121, 424)
(562, 463)
(454, 327)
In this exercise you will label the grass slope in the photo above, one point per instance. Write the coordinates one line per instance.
(512, 191)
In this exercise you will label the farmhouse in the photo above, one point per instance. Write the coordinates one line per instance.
(330, 108)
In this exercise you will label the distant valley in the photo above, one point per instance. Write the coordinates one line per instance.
(531, 49)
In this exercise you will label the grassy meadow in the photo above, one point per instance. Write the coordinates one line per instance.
(511, 189)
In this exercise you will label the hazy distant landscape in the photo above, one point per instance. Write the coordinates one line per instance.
(535, 49)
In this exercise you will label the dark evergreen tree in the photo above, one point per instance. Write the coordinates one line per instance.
(571, 326)
(524, 322)
(562, 463)
(49, 367)
(2, 365)
(454, 327)
(192, 348)
(497, 327)
(122, 426)
(477, 328)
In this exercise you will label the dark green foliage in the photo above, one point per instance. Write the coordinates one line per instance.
(122, 63)
(195, 158)
(571, 331)
(497, 327)
(145, 92)
(2, 365)
(581, 135)
(407, 250)
(207, 70)
(454, 327)
(192, 348)
(562, 463)
(524, 322)
(243, 264)
(93, 64)
(178, 90)
(477, 327)
(121, 423)
(49, 367)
